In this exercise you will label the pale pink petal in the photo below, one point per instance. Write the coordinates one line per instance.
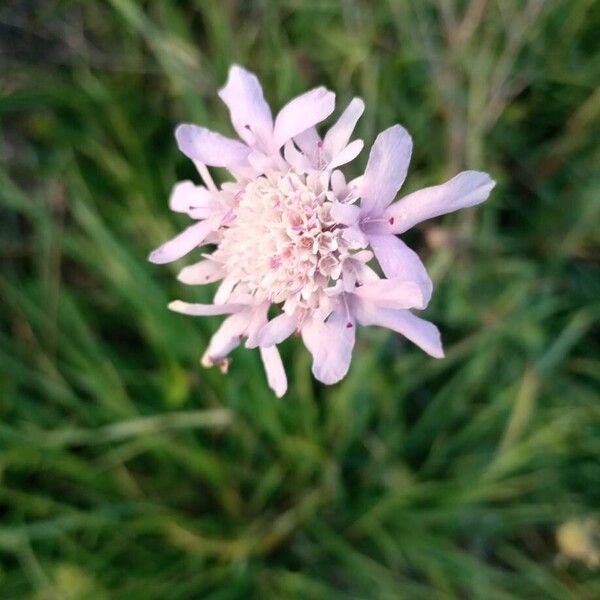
(213, 238)
(338, 185)
(206, 212)
(274, 369)
(397, 260)
(250, 114)
(422, 333)
(338, 136)
(310, 143)
(466, 189)
(261, 162)
(386, 169)
(295, 158)
(274, 332)
(181, 244)
(350, 152)
(185, 195)
(224, 290)
(301, 113)
(204, 310)
(205, 271)
(354, 235)
(392, 293)
(355, 271)
(211, 148)
(354, 186)
(345, 214)
(330, 343)
(258, 320)
(226, 338)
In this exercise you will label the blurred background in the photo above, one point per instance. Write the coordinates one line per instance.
(129, 472)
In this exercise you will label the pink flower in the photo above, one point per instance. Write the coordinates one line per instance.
(290, 232)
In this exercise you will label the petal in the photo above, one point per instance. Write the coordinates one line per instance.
(338, 185)
(224, 290)
(422, 333)
(386, 169)
(205, 271)
(392, 293)
(301, 113)
(295, 158)
(261, 162)
(180, 245)
(185, 196)
(211, 148)
(350, 152)
(310, 143)
(466, 189)
(226, 338)
(258, 320)
(275, 331)
(354, 186)
(274, 369)
(330, 343)
(345, 214)
(397, 260)
(204, 310)
(250, 114)
(354, 235)
(338, 136)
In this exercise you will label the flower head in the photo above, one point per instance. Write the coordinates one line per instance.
(290, 232)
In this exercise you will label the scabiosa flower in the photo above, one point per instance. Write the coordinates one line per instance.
(293, 238)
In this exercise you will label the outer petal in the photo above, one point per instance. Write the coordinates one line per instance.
(205, 271)
(204, 310)
(350, 152)
(338, 185)
(386, 169)
(392, 293)
(180, 245)
(330, 343)
(211, 148)
(250, 114)
(274, 369)
(338, 136)
(257, 321)
(224, 290)
(275, 331)
(397, 260)
(422, 333)
(261, 162)
(301, 113)
(354, 235)
(310, 143)
(466, 189)
(226, 338)
(296, 158)
(186, 196)
(346, 214)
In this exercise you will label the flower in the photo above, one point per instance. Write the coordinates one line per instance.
(290, 231)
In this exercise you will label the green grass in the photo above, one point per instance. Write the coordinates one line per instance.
(129, 472)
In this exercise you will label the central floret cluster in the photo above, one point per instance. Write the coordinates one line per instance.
(292, 233)
(283, 245)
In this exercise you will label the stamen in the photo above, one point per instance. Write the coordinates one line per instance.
(205, 174)
(378, 220)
